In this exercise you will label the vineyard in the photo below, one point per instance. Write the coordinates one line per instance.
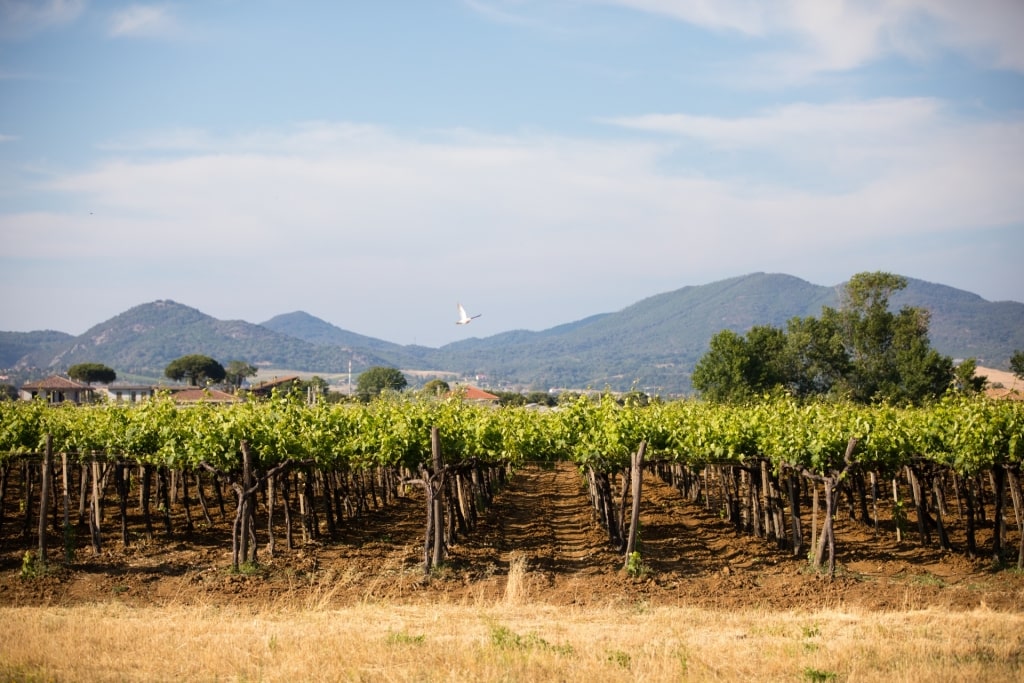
(682, 497)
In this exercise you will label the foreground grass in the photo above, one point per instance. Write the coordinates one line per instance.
(505, 642)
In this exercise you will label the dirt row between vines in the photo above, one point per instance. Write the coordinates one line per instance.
(542, 522)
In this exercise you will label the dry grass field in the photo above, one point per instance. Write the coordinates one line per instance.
(533, 595)
(505, 642)
(1001, 384)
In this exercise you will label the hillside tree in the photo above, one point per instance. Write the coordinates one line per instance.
(435, 388)
(891, 357)
(313, 390)
(814, 358)
(721, 374)
(195, 368)
(965, 377)
(377, 379)
(92, 372)
(541, 398)
(1017, 364)
(237, 371)
(862, 350)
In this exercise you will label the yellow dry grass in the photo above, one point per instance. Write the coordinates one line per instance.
(1001, 384)
(1004, 377)
(510, 641)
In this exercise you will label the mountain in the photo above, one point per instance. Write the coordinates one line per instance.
(963, 325)
(308, 328)
(652, 344)
(16, 345)
(144, 339)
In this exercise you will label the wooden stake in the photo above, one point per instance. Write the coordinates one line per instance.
(634, 520)
(44, 497)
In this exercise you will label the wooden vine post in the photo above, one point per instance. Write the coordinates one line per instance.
(794, 513)
(437, 504)
(66, 484)
(94, 510)
(433, 484)
(634, 520)
(1013, 478)
(44, 497)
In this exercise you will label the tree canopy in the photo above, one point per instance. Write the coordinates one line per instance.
(862, 351)
(238, 371)
(435, 388)
(92, 372)
(965, 379)
(721, 373)
(195, 368)
(377, 379)
(1017, 364)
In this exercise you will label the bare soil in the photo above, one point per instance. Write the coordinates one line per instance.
(691, 557)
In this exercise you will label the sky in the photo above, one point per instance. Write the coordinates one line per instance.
(540, 161)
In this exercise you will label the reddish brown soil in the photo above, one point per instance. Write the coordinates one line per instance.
(692, 556)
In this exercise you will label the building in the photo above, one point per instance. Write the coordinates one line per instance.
(130, 393)
(265, 389)
(56, 389)
(473, 394)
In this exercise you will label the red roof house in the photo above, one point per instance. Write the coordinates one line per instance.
(474, 394)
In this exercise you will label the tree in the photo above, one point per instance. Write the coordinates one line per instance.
(541, 398)
(435, 388)
(867, 327)
(863, 351)
(719, 375)
(195, 368)
(964, 379)
(510, 398)
(765, 367)
(92, 372)
(890, 355)
(377, 379)
(237, 372)
(313, 389)
(921, 371)
(1017, 364)
(317, 384)
(738, 367)
(815, 359)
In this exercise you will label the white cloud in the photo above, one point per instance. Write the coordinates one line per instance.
(177, 139)
(744, 16)
(325, 210)
(878, 120)
(23, 18)
(142, 20)
(839, 35)
(8, 138)
(863, 152)
(989, 30)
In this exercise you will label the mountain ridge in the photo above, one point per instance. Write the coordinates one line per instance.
(651, 344)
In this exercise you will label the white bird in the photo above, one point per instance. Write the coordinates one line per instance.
(465, 318)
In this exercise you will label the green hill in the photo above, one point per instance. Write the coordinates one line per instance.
(144, 339)
(652, 344)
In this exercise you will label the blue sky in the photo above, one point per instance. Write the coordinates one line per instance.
(373, 163)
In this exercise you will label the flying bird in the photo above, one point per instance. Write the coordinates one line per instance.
(465, 318)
